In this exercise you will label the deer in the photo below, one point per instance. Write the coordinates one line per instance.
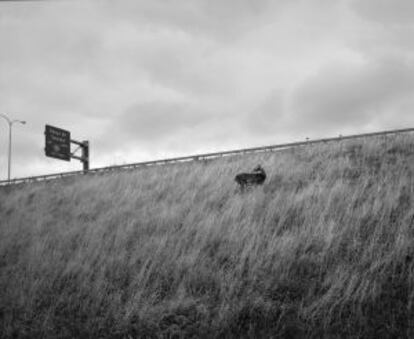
(257, 177)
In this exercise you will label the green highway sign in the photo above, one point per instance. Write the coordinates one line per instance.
(57, 143)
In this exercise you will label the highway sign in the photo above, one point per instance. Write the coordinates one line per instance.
(57, 143)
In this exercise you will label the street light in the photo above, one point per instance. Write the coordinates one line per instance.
(10, 122)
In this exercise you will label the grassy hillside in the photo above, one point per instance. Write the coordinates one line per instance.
(324, 249)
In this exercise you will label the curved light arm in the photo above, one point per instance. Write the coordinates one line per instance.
(11, 122)
(6, 118)
(19, 121)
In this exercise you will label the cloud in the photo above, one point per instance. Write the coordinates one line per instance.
(269, 116)
(153, 126)
(147, 79)
(154, 120)
(351, 95)
(384, 29)
(395, 12)
(220, 20)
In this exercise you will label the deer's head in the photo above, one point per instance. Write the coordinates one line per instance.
(258, 168)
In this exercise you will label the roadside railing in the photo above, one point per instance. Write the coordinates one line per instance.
(197, 157)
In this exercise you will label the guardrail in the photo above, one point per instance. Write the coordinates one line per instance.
(197, 157)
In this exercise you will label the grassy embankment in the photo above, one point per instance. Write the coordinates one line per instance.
(325, 248)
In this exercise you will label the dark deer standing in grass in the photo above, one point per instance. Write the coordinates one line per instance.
(257, 177)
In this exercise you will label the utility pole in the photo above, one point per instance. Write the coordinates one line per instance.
(10, 123)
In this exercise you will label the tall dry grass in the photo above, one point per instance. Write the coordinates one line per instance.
(324, 249)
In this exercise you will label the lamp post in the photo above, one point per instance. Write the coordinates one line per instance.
(10, 122)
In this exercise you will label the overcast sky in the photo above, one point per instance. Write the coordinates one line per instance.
(144, 80)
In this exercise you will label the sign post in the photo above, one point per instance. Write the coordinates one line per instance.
(85, 155)
(57, 145)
